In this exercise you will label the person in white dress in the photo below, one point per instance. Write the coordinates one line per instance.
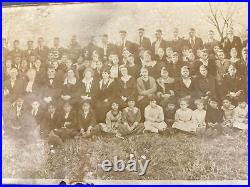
(154, 117)
(198, 117)
(240, 120)
(183, 118)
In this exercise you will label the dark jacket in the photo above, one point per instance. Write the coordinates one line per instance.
(227, 45)
(84, 123)
(198, 44)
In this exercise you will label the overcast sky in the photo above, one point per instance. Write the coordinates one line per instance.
(88, 19)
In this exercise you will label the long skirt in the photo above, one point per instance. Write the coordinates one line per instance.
(240, 125)
(155, 126)
(123, 129)
(188, 126)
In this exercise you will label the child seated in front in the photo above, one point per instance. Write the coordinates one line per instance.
(228, 113)
(198, 117)
(131, 118)
(214, 119)
(113, 120)
(169, 113)
(183, 118)
(240, 119)
(154, 117)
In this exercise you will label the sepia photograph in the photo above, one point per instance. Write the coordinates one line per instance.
(125, 93)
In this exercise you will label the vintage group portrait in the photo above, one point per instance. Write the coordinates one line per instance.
(125, 93)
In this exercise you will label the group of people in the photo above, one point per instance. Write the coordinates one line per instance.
(182, 85)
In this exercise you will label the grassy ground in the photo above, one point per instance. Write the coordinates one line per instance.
(181, 157)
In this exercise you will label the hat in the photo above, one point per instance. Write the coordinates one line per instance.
(192, 29)
(105, 35)
(123, 31)
(159, 30)
(131, 98)
(141, 29)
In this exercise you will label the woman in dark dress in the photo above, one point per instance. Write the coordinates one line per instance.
(88, 86)
(184, 87)
(165, 86)
(69, 89)
(233, 84)
(205, 85)
(106, 93)
(126, 87)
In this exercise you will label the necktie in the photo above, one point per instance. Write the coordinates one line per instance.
(140, 40)
(192, 42)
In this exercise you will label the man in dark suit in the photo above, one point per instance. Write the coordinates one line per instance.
(50, 120)
(143, 42)
(107, 48)
(231, 41)
(41, 51)
(74, 49)
(18, 121)
(177, 42)
(86, 119)
(16, 50)
(52, 86)
(194, 42)
(30, 49)
(211, 42)
(159, 43)
(125, 44)
(14, 86)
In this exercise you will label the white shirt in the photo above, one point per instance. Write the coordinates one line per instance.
(187, 82)
(66, 115)
(18, 111)
(34, 111)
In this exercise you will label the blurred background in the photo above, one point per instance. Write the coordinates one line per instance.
(93, 19)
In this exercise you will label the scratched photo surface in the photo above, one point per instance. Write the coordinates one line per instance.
(116, 93)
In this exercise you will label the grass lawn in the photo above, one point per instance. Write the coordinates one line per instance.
(181, 157)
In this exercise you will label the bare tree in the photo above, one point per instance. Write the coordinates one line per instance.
(221, 17)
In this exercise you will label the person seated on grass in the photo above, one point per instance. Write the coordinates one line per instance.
(183, 117)
(49, 121)
(240, 119)
(228, 113)
(169, 113)
(154, 117)
(131, 117)
(68, 126)
(87, 120)
(213, 119)
(198, 117)
(113, 120)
